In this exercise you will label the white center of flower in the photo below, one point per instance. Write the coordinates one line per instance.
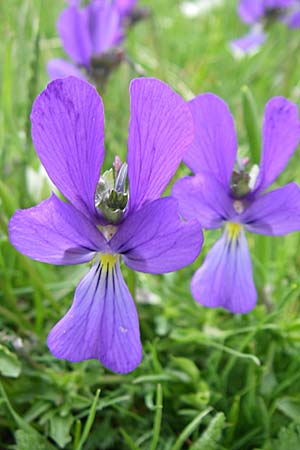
(238, 206)
(108, 231)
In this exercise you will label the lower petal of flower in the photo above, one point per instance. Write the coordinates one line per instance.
(225, 278)
(102, 322)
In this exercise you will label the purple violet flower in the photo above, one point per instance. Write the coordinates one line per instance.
(258, 14)
(224, 194)
(98, 224)
(90, 37)
(131, 12)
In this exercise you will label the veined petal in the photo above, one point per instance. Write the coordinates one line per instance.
(214, 147)
(250, 11)
(225, 278)
(204, 198)
(155, 240)
(74, 32)
(59, 68)
(281, 134)
(104, 25)
(102, 322)
(160, 130)
(55, 232)
(67, 131)
(275, 213)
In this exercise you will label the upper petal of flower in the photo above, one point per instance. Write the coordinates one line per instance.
(225, 278)
(155, 240)
(249, 43)
(251, 11)
(275, 213)
(214, 147)
(104, 21)
(59, 68)
(125, 6)
(281, 134)
(73, 29)
(55, 232)
(160, 130)
(101, 324)
(204, 198)
(67, 131)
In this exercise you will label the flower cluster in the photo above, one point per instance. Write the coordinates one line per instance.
(259, 14)
(92, 37)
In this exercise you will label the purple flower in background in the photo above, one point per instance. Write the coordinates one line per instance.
(222, 193)
(131, 12)
(91, 37)
(103, 222)
(259, 14)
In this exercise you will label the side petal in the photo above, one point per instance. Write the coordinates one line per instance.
(104, 25)
(214, 147)
(225, 278)
(250, 11)
(73, 29)
(160, 130)
(249, 43)
(204, 198)
(281, 134)
(102, 323)
(274, 213)
(155, 240)
(59, 68)
(55, 232)
(67, 131)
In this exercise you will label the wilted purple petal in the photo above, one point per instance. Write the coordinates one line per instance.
(204, 198)
(101, 324)
(59, 68)
(250, 11)
(250, 42)
(275, 213)
(161, 129)
(55, 232)
(155, 240)
(225, 278)
(104, 23)
(67, 131)
(281, 134)
(214, 147)
(74, 32)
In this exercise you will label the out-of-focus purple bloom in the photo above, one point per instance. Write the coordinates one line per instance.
(91, 37)
(131, 12)
(99, 224)
(223, 193)
(259, 14)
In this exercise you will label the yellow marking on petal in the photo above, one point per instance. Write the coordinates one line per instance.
(108, 261)
(233, 230)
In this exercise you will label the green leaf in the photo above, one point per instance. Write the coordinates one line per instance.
(26, 440)
(60, 427)
(288, 438)
(189, 429)
(10, 366)
(211, 436)
(251, 124)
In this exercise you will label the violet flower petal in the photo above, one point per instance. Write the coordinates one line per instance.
(55, 232)
(104, 25)
(204, 198)
(281, 134)
(125, 6)
(161, 129)
(214, 147)
(292, 20)
(102, 323)
(225, 278)
(73, 30)
(67, 131)
(275, 213)
(249, 43)
(250, 11)
(155, 240)
(59, 68)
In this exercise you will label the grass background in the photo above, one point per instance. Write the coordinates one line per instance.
(209, 380)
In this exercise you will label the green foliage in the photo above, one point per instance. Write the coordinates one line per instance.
(208, 380)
